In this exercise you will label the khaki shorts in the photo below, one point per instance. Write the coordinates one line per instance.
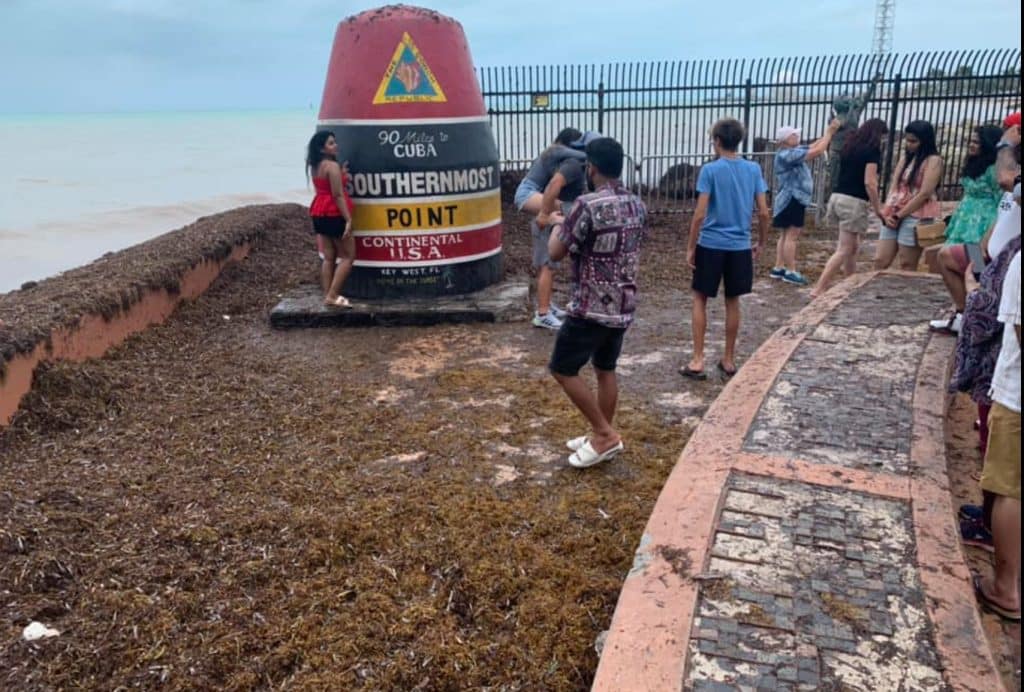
(851, 214)
(1001, 474)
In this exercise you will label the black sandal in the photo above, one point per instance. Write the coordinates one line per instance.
(687, 371)
(725, 371)
(992, 606)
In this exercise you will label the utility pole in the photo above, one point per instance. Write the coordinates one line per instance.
(885, 19)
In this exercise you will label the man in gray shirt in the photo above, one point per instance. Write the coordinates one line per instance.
(556, 174)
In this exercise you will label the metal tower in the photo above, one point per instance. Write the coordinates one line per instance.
(885, 18)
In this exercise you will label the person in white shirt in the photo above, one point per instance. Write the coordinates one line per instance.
(1001, 474)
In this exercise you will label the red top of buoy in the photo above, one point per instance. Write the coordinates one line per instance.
(400, 62)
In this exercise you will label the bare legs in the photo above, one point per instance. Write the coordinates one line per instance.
(545, 284)
(699, 327)
(732, 329)
(785, 249)
(332, 274)
(600, 410)
(953, 277)
(545, 278)
(887, 250)
(699, 320)
(844, 259)
(1001, 589)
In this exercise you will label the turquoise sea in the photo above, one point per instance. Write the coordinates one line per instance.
(73, 187)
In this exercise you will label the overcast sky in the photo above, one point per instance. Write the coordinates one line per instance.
(142, 55)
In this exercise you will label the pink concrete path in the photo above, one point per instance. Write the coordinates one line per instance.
(806, 537)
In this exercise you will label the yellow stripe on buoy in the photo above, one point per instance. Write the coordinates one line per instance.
(438, 213)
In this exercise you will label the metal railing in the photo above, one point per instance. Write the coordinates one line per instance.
(662, 111)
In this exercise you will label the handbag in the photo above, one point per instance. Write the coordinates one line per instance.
(930, 232)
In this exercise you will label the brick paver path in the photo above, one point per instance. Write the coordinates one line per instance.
(805, 540)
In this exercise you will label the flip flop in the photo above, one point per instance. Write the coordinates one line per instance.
(339, 302)
(688, 372)
(1011, 615)
(587, 456)
(576, 442)
(725, 371)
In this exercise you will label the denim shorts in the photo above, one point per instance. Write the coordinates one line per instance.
(540, 236)
(905, 235)
(526, 188)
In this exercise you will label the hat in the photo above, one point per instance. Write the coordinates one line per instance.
(588, 137)
(785, 132)
(1011, 120)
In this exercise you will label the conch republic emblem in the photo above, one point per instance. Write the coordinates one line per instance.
(408, 78)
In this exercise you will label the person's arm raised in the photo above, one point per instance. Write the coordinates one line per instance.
(820, 146)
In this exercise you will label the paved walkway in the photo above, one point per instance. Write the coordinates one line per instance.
(805, 539)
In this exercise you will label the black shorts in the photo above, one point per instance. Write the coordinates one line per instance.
(330, 226)
(581, 340)
(735, 267)
(791, 217)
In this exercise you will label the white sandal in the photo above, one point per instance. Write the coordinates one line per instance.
(339, 302)
(576, 442)
(587, 456)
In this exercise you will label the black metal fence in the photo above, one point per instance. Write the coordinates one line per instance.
(662, 111)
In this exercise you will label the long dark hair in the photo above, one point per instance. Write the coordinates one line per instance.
(867, 138)
(989, 136)
(315, 151)
(925, 133)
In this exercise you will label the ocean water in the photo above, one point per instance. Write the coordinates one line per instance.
(73, 187)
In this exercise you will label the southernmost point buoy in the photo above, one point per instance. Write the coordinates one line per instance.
(403, 102)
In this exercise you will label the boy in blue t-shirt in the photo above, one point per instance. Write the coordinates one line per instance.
(719, 247)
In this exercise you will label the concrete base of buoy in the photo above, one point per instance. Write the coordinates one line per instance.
(508, 301)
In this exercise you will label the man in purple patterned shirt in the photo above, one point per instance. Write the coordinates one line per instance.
(601, 236)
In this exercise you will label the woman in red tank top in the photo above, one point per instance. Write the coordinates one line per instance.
(331, 212)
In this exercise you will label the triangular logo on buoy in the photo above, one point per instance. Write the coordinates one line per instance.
(408, 79)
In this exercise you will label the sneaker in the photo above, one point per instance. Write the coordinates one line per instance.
(777, 273)
(948, 324)
(974, 533)
(795, 278)
(972, 513)
(547, 321)
(558, 312)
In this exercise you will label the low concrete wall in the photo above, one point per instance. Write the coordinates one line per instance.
(103, 303)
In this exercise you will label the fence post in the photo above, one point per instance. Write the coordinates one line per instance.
(600, 107)
(748, 93)
(897, 82)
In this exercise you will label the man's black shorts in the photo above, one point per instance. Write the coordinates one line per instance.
(734, 267)
(581, 340)
(790, 217)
